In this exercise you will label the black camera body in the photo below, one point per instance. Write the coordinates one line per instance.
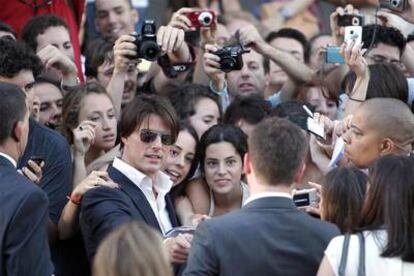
(231, 57)
(350, 20)
(146, 42)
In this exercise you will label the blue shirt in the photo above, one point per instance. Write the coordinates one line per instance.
(57, 171)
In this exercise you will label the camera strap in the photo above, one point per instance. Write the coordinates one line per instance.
(171, 70)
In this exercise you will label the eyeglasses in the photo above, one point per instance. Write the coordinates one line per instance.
(148, 136)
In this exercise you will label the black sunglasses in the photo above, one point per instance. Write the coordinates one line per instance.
(148, 136)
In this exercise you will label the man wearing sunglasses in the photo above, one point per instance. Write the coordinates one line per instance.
(149, 125)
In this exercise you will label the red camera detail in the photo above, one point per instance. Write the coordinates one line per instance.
(204, 18)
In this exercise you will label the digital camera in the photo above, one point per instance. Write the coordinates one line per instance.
(395, 5)
(350, 20)
(231, 57)
(146, 42)
(204, 18)
(305, 197)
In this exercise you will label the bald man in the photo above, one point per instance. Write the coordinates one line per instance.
(380, 126)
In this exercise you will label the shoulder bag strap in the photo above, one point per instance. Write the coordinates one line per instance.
(361, 266)
(344, 256)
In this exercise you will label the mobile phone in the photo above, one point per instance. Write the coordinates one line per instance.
(350, 20)
(37, 159)
(353, 33)
(315, 128)
(332, 56)
(394, 5)
(305, 197)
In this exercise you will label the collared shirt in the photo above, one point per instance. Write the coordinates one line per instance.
(267, 194)
(162, 186)
(8, 157)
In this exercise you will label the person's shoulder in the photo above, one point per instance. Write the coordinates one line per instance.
(47, 135)
(20, 186)
(102, 195)
(226, 221)
(319, 226)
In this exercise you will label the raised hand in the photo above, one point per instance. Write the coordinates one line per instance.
(93, 180)
(83, 137)
(211, 64)
(52, 57)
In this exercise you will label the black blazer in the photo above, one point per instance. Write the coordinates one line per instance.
(23, 225)
(268, 236)
(104, 209)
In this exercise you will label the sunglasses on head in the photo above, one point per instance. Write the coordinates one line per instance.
(148, 136)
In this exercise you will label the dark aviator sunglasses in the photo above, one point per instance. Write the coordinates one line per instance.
(148, 136)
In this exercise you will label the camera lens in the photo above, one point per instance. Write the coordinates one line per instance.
(149, 51)
(227, 64)
(355, 21)
(395, 3)
(205, 18)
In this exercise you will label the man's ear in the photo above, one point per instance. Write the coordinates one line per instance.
(387, 146)
(299, 174)
(247, 168)
(17, 131)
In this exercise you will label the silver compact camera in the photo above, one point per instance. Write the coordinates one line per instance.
(305, 197)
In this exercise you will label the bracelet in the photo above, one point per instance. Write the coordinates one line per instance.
(75, 199)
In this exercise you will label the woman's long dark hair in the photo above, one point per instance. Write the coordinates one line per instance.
(343, 192)
(390, 204)
(179, 189)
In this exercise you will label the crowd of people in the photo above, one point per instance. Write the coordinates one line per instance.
(222, 141)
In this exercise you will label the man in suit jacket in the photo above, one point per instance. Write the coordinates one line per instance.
(24, 207)
(148, 126)
(269, 235)
(20, 66)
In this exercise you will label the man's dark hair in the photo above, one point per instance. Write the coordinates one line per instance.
(7, 28)
(98, 51)
(38, 25)
(12, 109)
(387, 35)
(15, 56)
(185, 98)
(386, 81)
(410, 38)
(293, 111)
(389, 204)
(141, 107)
(293, 34)
(251, 109)
(277, 149)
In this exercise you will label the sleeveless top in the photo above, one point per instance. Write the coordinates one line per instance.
(245, 195)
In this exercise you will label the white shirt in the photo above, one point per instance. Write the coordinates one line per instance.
(266, 194)
(8, 157)
(374, 263)
(162, 185)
